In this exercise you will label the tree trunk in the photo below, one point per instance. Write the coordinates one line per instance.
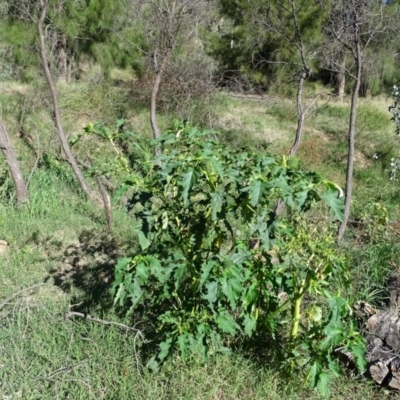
(62, 60)
(153, 103)
(341, 79)
(300, 114)
(56, 108)
(12, 162)
(299, 130)
(171, 37)
(351, 141)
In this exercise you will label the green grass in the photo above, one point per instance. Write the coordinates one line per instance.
(45, 356)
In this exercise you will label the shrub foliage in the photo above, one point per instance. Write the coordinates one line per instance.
(218, 265)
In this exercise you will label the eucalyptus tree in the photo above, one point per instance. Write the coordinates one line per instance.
(37, 16)
(6, 148)
(290, 32)
(354, 27)
(170, 27)
(295, 25)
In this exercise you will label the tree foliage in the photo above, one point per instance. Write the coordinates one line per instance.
(96, 30)
(261, 40)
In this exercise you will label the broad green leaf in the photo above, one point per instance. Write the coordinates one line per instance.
(123, 263)
(250, 324)
(333, 186)
(314, 373)
(335, 203)
(217, 166)
(256, 189)
(324, 380)
(282, 183)
(156, 268)
(120, 123)
(316, 314)
(226, 325)
(358, 350)
(231, 288)
(334, 367)
(183, 342)
(203, 331)
(120, 295)
(206, 269)
(143, 241)
(142, 272)
(121, 191)
(216, 204)
(212, 290)
(338, 307)
(153, 364)
(180, 273)
(301, 198)
(241, 255)
(164, 349)
(165, 220)
(252, 294)
(189, 179)
(334, 335)
(135, 293)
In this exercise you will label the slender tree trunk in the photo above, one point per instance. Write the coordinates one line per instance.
(300, 114)
(351, 141)
(56, 108)
(12, 162)
(156, 87)
(62, 62)
(171, 37)
(299, 130)
(341, 79)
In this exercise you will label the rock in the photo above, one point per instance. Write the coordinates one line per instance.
(3, 246)
(383, 345)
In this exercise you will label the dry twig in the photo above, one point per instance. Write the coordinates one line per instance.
(138, 333)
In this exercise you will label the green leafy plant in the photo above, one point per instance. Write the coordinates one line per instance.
(218, 265)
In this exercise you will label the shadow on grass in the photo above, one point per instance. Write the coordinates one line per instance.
(87, 270)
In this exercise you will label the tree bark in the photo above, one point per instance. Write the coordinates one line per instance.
(300, 113)
(341, 79)
(351, 140)
(153, 103)
(304, 74)
(299, 130)
(62, 61)
(12, 162)
(171, 35)
(54, 98)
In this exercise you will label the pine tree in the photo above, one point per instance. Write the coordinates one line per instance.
(94, 30)
(261, 40)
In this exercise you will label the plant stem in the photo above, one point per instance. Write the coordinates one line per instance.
(296, 317)
(305, 284)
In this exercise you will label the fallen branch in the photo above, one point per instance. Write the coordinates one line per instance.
(138, 333)
(248, 96)
(71, 314)
(61, 370)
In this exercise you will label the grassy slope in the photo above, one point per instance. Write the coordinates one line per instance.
(60, 240)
